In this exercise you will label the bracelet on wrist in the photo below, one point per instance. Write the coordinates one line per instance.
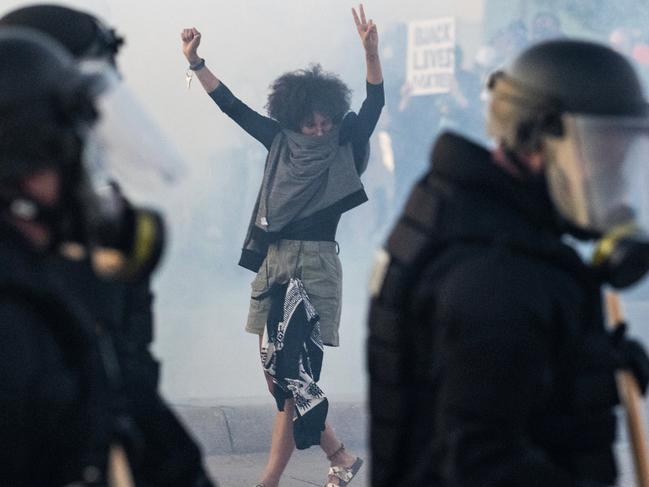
(196, 66)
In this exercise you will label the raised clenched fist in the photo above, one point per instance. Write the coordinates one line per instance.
(191, 39)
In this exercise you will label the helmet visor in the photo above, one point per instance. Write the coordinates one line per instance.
(599, 173)
(127, 146)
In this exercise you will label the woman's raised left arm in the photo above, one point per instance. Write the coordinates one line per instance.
(370, 39)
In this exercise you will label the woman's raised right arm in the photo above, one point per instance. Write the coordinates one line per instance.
(191, 40)
(262, 128)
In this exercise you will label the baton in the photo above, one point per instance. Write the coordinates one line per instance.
(632, 401)
(119, 470)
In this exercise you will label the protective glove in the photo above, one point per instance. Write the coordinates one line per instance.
(631, 355)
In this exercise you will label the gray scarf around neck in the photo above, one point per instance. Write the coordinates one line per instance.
(304, 175)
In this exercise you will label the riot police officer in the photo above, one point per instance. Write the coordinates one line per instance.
(56, 374)
(125, 307)
(73, 386)
(489, 360)
(161, 451)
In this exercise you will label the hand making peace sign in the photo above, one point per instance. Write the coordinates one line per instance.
(366, 30)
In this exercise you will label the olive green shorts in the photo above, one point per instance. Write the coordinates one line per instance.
(318, 266)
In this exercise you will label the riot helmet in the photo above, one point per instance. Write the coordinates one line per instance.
(45, 109)
(81, 33)
(48, 112)
(581, 105)
(127, 145)
(45, 101)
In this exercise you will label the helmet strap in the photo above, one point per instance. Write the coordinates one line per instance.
(516, 161)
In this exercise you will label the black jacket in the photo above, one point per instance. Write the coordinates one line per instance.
(161, 451)
(489, 361)
(76, 374)
(54, 379)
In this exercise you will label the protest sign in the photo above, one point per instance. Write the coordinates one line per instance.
(431, 56)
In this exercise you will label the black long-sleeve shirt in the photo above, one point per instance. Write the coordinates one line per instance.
(355, 128)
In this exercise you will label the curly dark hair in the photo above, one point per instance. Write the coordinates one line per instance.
(297, 95)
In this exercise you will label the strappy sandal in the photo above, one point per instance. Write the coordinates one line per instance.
(344, 474)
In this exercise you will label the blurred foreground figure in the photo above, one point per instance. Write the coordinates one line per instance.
(56, 371)
(489, 361)
(159, 450)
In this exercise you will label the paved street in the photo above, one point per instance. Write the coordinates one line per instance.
(235, 438)
(309, 467)
(306, 468)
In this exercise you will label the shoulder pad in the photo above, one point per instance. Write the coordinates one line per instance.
(415, 229)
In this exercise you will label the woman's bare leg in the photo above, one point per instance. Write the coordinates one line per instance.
(282, 443)
(281, 446)
(332, 447)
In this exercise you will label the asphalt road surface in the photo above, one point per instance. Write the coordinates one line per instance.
(306, 468)
(309, 468)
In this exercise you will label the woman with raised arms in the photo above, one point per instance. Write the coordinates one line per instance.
(317, 150)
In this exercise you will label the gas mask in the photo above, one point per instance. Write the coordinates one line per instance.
(124, 241)
(598, 178)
